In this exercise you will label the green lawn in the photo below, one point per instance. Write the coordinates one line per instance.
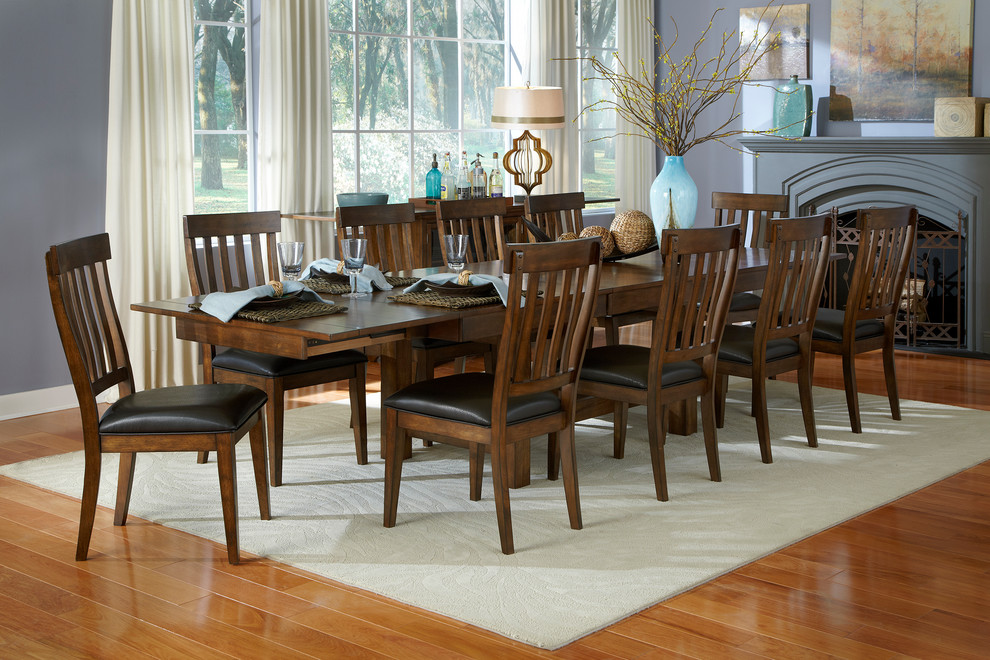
(233, 197)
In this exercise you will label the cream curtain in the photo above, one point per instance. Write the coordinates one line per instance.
(552, 39)
(635, 157)
(295, 152)
(150, 178)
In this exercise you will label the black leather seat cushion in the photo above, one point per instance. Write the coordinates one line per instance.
(744, 301)
(185, 409)
(272, 366)
(737, 345)
(628, 366)
(828, 326)
(468, 398)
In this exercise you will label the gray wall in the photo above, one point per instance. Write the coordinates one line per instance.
(714, 166)
(54, 72)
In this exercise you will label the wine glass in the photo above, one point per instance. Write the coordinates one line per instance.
(353, 250)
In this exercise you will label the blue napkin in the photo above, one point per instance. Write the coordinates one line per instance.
(368, 276)
(501, 286)
(225, 306)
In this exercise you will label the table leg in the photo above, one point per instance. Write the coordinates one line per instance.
(682, 417)
(395, 361)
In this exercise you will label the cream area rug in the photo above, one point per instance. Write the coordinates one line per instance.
(443, 554)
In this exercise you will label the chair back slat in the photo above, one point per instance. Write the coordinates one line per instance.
(230, 251)
(799, 257)
(552, 291)
(555, 214)
(699, 272)
(388, 229)
(88, 325)
(886, 240)
(751, 211)
(481, 219)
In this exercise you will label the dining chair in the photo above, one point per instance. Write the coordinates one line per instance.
(233, 251)
(752, 212)
(699, 271)
(883, 254)
(552, 291)
(391, 246)
(780, 339)
(390, 231)
(555, 214)
(181, 418)
(481, 219)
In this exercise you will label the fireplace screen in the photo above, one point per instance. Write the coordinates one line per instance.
(932, 310)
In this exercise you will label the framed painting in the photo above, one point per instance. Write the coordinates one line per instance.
(787, 45)
(890, 59)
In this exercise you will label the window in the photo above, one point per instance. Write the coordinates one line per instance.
(596, 37)
(411, 78)
(224, 159)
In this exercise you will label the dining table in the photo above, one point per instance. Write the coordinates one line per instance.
(374, 320)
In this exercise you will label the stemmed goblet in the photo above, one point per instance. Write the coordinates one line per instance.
(353, 251)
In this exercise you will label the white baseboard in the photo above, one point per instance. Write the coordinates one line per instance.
(22, 404)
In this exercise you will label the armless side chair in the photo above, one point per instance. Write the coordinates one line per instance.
(183, 418)
(233, 251)
(886, 242)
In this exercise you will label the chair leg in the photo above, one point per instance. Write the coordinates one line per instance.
(620, 419)
(202, 457)
(260, 463)
(476, 470)
(807, 402)
(227, 470)
(87, 509)
(394, 444)
(275, 416)
(553, 457)
(357, 387)
(721, 389)
(568, 464)
(611, 331)
(852, 396)
(656, 424)
(890, 376)
(711, 434)
(500, 479)
(125, 480)
(762, 417)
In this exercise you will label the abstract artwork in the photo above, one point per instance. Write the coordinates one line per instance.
(788, 43)
(890, 59)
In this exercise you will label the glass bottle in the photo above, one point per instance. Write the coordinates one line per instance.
(463, 179)
(495, 179)
(446, 179)
(433, 181)
(479, 183)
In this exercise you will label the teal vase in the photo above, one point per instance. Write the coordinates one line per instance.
(673, 197)
(792, 109)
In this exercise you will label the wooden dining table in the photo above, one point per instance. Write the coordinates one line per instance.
(626, 286)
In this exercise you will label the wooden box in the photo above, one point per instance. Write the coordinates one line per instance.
(960, 116)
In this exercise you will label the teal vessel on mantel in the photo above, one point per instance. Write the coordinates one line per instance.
(673, 197)
(792, 109)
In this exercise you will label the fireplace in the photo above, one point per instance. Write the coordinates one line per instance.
(947, 179)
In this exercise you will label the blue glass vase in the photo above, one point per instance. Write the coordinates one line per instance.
(792, 109)
(673, 197)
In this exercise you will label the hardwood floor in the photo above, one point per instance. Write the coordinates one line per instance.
(910, 579)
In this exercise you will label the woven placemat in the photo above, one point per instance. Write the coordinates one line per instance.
(298, 310)
(340, 284)
(438, 300)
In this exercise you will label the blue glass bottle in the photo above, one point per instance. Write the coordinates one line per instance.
(433, 181)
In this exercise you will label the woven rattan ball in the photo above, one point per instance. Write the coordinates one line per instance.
(633, 231)
(567, 236)
(608, 244)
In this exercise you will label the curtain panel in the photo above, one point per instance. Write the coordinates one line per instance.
(150, 179)
(635, 157)
(295, 152)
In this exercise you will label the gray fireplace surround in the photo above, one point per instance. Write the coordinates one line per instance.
(945, 178)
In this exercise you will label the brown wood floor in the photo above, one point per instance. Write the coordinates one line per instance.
(910, 579)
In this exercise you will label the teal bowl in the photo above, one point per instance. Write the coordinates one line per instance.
(361, 199)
